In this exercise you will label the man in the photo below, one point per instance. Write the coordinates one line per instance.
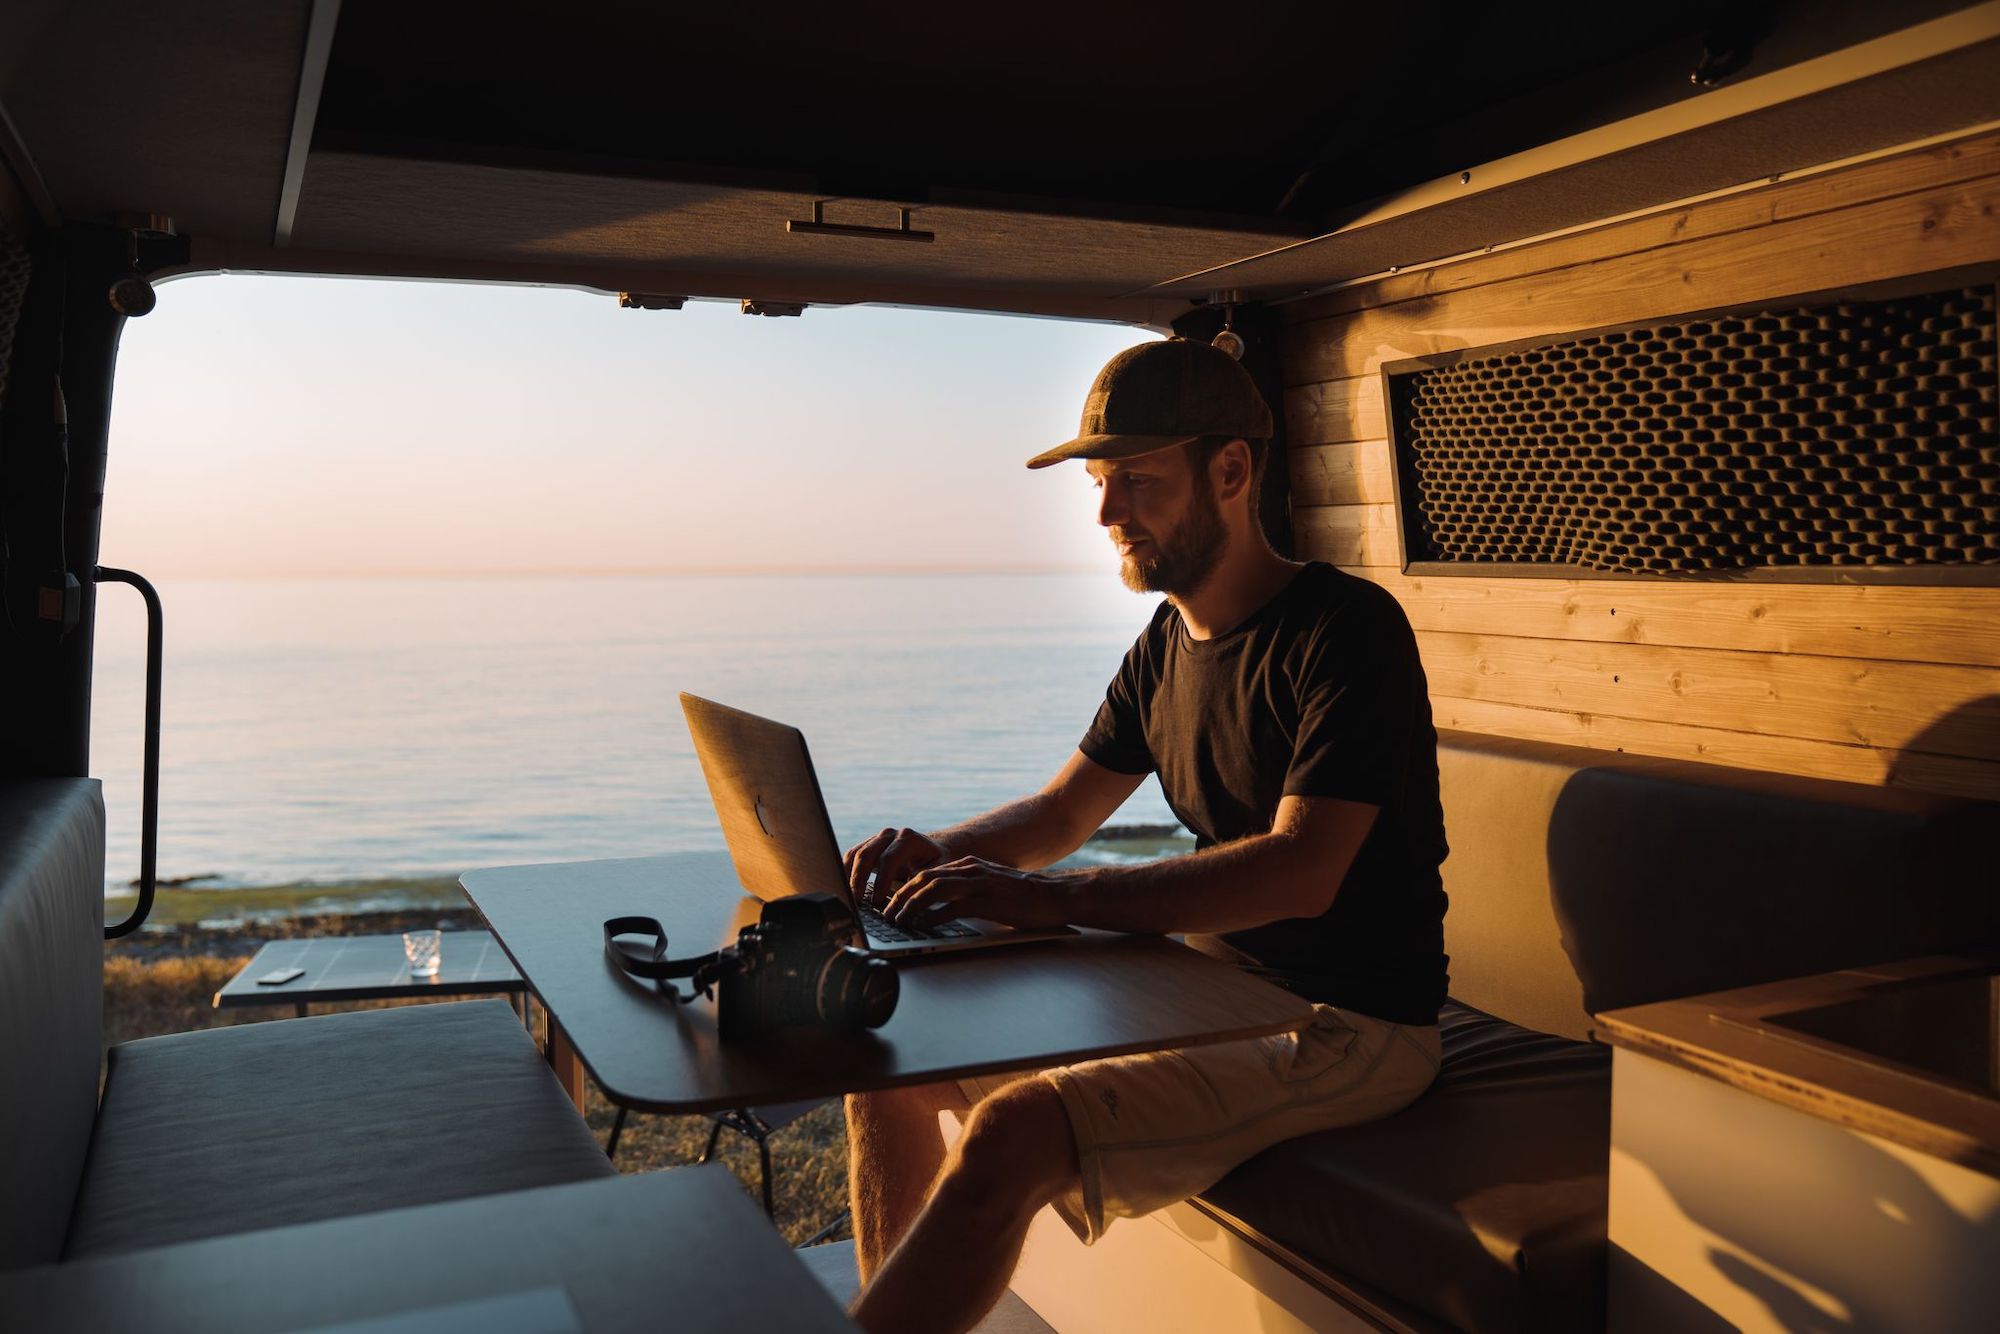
(1284, 708)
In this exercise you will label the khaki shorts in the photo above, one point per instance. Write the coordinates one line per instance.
(1158, 1127)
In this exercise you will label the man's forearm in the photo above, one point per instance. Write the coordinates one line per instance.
(1026, 834)
(1292, 871)
(1229, 888)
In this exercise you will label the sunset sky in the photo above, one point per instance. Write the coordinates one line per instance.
(281, 426)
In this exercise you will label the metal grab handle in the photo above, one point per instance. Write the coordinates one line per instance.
(149, 818)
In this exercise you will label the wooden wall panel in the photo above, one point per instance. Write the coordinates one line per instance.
(1736, 749)
(1886, 178)
(1356, 473)
(1951, 625)
(1319, 414)
(1876, 242)
(1887, 705)
(1874, 683)
(1348, 535)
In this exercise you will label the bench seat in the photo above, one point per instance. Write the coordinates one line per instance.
(297, 1120)
(1482, 1204)
(51, 1004)
(1579, 881)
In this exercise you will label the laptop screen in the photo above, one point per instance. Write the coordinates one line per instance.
(767, 798)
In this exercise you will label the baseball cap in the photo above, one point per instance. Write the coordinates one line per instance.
(1160, 394)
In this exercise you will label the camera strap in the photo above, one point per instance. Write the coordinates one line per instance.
(638, 945)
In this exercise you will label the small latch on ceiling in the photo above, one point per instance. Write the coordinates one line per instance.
(1727, 47)
(1227, 340)
(131, 295)
(819, 226)
(649, 301)
(754, 306)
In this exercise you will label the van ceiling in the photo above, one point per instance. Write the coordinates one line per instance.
(1071, 158)
(1104, 110)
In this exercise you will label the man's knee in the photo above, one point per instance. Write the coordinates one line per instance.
(1017, 1150)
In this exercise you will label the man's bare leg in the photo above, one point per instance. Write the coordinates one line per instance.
(894, 1151)
(952, 1265)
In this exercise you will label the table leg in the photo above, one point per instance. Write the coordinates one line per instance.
(563, 1060)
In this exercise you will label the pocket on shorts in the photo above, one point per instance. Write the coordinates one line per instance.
(1299, 1058)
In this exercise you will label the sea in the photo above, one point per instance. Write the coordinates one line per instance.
(339, 730)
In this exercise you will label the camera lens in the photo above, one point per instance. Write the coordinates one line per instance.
(856, 991)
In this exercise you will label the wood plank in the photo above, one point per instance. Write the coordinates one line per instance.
(1938, 229)
(1323, 414)
(1949, 775)
(564, 1063)
(1886, 178)
(1357, 473)
(1940, 710)
(1348, 535)
(1940, 625)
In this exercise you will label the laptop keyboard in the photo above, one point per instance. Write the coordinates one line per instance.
(877, 927)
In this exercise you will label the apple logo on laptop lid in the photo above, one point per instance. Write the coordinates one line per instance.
(764, 820)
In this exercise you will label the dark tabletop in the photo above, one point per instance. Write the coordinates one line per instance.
(345, 968)
(684, 1249)
(1015, 1007)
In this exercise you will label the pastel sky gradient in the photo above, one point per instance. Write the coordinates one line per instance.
(309, 426)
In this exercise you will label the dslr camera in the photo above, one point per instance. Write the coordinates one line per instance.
(795, 966)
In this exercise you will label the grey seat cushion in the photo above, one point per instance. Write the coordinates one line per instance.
(1584, 880)
(51, 1004)
(296, 1120)
(1482, 1204)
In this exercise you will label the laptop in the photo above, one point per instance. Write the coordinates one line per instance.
(760, 776)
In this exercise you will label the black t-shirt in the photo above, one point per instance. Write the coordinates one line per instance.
(1320, 693)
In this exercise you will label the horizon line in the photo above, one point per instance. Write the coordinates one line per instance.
(629, 571)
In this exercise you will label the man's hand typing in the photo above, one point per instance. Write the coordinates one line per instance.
(890, 857)
(975, 887)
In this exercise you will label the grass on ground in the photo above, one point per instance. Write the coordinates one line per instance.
(282, 903)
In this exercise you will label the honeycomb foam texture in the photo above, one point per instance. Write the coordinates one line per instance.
(1861, 433)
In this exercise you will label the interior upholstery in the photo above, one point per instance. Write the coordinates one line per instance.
(297, 1120)
(51, 1004)
(1585, 880)
(1483, 1204)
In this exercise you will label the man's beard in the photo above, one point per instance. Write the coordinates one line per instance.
(1181, 561)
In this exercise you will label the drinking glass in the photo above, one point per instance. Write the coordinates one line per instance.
(424, 950)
